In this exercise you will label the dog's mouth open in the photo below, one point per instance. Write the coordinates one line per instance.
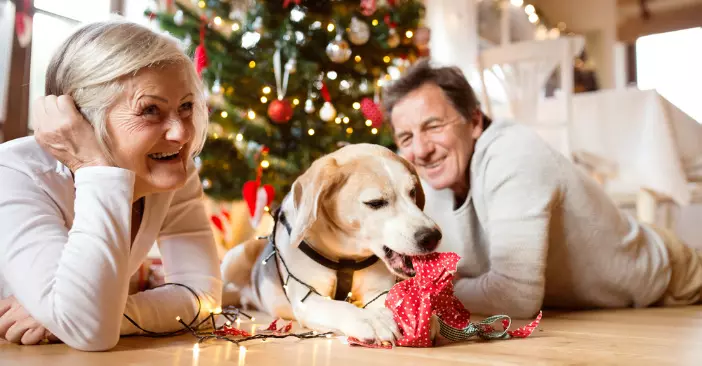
(401, 264)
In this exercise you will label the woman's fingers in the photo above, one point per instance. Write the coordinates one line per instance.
(19, 329)
(33, 335)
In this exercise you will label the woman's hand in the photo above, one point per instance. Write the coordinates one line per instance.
(63, 132)
(17, 326)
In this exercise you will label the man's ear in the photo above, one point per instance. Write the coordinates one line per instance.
(309, 191)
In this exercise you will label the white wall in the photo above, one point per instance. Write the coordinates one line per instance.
(597, 20)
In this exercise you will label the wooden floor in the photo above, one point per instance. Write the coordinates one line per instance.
(624, 337)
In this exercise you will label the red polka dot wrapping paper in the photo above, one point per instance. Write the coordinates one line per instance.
(430, 293)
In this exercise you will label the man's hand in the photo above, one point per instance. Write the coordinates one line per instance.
(63, 132)
(17, 326)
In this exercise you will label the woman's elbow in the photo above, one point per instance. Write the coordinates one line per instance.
(95, 343)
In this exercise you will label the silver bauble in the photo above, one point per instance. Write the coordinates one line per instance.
(339, 50)
(179, 18)
(309, 106)
(359, 32)
(393, 38)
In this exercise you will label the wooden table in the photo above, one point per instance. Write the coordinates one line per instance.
(654, 336)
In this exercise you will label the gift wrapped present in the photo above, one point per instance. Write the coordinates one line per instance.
(429, 314)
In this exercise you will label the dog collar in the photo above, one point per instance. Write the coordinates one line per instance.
(344, 267)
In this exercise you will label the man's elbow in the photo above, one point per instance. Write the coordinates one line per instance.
(524, 308)
(96, 343)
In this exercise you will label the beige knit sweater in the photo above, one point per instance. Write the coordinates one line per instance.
(536, 232)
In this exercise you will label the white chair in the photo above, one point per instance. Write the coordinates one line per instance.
(523, 68)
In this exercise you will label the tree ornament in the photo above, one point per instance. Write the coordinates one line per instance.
(179, 18)
(257, 24)
(187, 41)
(393, 38)
(372, 111)
(309, 106)
(359, 32)
(200, 57)
(23, 25)
(339, 50)
(368, 7)
(257, 197)
(280, 111)
(215, 129)
(217, 87)
(291, 66)
(327, 112)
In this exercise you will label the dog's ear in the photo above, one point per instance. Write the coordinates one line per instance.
(309, 191)
(419, 193)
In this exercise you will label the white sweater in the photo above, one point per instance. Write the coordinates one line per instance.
(66, 252)
(536, 231)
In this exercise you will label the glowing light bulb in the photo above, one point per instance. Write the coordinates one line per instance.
(356, 105)
(264, 100)
(409, 34)
(374, 22)
(177, 318)
(252, 64)
(251, 114)
(529, 9)
(349, 130)
(329, 335)
(253, 318)
(330, 27)
(266, 89)
(218, 310)
(239, 137)
(224, 114)
(201, 4)
(533, 18)
(357, 58)
(369, 122)
(242, 348)
(265, 164)
(296, 101)
(235, 27)
(228, 323)
(310, 132)
(218, 21)
(346, 120)
(517, 3)
(374, 131)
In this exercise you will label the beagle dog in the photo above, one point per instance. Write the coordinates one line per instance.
(341, 238)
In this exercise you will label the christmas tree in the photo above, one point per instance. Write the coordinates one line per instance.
(290, 80)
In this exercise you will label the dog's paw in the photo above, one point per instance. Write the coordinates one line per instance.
(373, 325)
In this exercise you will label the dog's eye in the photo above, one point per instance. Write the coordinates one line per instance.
(413, 192)
(376, 204)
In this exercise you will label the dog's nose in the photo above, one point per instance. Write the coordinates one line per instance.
(428, 238)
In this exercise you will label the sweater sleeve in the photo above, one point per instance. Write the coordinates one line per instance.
(74, 282)
(518, 191)
(189, 258)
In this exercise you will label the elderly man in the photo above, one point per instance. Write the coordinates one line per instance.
(533, 231)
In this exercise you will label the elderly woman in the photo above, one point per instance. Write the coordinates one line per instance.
(84, 200)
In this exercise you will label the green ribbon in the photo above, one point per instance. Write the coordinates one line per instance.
(482, 329)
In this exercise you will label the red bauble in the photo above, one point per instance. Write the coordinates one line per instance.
(280, 111)
(200, 59)
(372, 112)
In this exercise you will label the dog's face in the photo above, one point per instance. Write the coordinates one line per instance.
(369, 200)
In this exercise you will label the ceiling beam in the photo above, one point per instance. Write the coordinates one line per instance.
(664, 21)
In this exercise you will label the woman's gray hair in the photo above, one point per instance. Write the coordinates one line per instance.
(89, 66)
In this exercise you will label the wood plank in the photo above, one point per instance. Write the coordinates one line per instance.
(653, 336)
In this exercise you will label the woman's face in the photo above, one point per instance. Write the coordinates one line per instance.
(151, 128)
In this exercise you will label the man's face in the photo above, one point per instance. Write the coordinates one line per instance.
(435, 137)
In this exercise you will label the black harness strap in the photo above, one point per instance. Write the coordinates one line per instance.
(344, 268)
